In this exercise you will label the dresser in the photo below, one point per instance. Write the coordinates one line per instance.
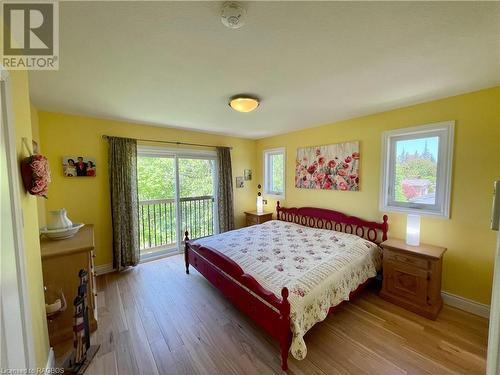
(254, 217)
(412, 276)
(61, 262)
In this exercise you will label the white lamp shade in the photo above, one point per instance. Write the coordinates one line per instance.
(260, 205)
(413, 230)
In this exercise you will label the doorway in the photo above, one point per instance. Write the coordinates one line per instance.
(177, 193)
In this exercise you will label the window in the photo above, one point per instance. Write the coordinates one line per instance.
(416, 169)
(274, 172)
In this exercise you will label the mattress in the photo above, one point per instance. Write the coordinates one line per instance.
(319, 267)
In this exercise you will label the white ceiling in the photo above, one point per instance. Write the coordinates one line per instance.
(175, 64)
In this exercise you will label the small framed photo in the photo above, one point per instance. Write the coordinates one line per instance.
(79, 166)
(248, 174)
(240, 182)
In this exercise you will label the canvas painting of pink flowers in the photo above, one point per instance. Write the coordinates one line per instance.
(330, 167)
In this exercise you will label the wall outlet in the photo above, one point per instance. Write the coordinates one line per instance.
(264, 201)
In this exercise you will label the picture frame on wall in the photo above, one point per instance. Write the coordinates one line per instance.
(79, 166)
(240, 182)
(328, 167)
(248, 174)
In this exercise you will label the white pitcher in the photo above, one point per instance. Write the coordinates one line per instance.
(58, 219)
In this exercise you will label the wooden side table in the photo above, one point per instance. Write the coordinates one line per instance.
(254, 217)
(61, 262)
(412, 276)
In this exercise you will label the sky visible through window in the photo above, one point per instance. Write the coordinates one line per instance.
(418, 145)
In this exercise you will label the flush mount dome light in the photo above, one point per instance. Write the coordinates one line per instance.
(233, 15)
(243, 103)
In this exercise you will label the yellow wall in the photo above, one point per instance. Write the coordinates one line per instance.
(87, 199)
(468, 263)
(22, 123)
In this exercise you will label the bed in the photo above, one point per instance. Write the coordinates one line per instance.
(288, 274)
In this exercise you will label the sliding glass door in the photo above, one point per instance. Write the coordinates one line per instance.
(176, 193)
(157, 203)
(196, 195)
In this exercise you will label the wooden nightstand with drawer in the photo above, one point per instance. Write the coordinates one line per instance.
(254, 217)
(412, 276)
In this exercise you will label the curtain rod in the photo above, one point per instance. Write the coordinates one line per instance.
(170, 142)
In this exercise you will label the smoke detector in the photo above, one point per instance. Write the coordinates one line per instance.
(233, 15)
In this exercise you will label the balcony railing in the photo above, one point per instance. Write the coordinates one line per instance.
(158, 221)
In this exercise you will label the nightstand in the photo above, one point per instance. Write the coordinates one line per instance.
(254, 217)
(412, 276)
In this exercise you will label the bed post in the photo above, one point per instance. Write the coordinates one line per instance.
(277, 210)
(186, 249)
(285, 333)
(385, 228)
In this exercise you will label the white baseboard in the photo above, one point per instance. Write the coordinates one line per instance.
(51, 362)
(104, 268)
(465, 304)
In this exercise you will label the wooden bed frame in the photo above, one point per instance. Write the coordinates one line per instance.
(248, 295)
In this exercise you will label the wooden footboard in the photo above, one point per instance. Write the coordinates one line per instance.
(265, 308)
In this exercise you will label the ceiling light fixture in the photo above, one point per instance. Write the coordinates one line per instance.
(233, 15)
(243, 103)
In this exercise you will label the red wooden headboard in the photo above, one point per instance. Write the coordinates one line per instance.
(323, 218)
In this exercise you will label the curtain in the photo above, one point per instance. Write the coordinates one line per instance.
(225, 190)
(124, 201)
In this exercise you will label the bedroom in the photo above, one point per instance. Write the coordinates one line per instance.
(405, 94)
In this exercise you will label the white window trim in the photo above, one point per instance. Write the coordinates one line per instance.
(267, 192)
(444, 173)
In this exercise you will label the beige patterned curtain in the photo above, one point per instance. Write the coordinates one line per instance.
(225, 190)
(124, 201)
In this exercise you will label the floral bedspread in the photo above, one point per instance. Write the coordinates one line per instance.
(319, 267)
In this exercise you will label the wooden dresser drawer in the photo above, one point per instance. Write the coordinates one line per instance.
(253, 217)
(396, 257)
(252, 220)
(406, 281)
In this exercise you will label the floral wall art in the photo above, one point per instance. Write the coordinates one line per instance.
(330, 167)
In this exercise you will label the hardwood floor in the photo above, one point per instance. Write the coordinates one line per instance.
(155, 319)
